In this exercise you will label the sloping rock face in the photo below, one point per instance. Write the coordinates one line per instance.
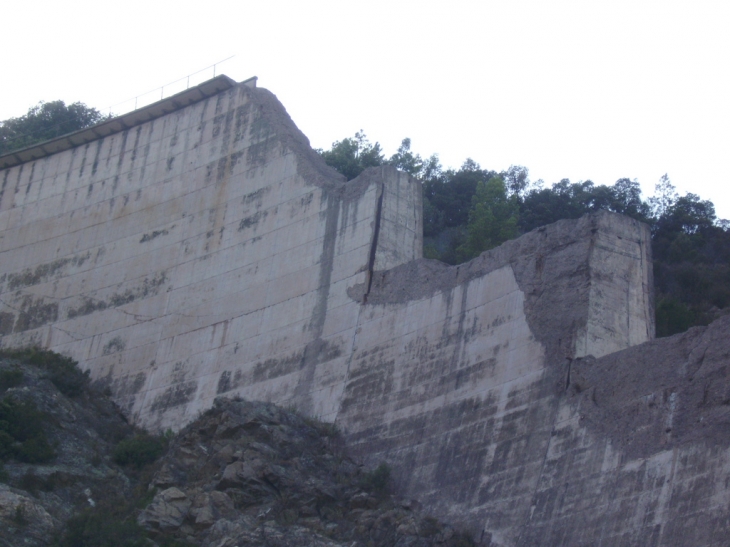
(254, 474)
(40, 492)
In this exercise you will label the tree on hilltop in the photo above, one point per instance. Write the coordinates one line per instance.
(46, 121)
(351, 156)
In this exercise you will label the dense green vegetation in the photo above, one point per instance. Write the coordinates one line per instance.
(62, 371)
(46, 121)
(140, 450)
(470, 210)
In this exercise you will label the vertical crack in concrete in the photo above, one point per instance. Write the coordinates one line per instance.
(458, 336)
(374, 244)
(567, 380)
(647, 284)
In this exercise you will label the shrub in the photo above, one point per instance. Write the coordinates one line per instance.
(62, 371)
(110, 527)
(140, 450)
(377, 479)
(21, 432)
(19, 518)
(33, 483)
(100, 529)
(673, 317)
(10, 378)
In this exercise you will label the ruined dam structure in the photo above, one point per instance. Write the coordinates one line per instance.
(199, 248)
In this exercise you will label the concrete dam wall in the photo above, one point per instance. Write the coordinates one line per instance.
(199, 248)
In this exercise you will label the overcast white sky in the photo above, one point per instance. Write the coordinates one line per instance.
(577, 89)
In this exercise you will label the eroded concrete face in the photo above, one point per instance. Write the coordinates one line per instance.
(459, 374)
(640, 452)
(210, 252)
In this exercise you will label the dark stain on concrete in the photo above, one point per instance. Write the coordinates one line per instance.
(135, 148)
(252, 221)
(122, 151)
(176, 395)
(224, 382)
(83, 161)
(44, 272)
(115, 345)
(154, 234)
(241, 123)
(20, 174)
(256, 197)
(257, 154)
(5, 183)
(88, 306)
(97, 153)
(235, 159)
(148, 287)
(221, 169)
(35, 313)
(128, 386)
(7, 320)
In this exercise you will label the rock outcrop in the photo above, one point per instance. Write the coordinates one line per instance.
(242, 474)
(46, 484)
(255, 474)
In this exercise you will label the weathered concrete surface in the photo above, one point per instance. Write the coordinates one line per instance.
(211, 252)
(640, 450)
(458, 373)
(201, 253)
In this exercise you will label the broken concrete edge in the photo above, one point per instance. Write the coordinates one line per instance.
(312, 166)
(659, 395)
(526, 255)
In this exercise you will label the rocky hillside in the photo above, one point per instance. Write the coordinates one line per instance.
(74, 473)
